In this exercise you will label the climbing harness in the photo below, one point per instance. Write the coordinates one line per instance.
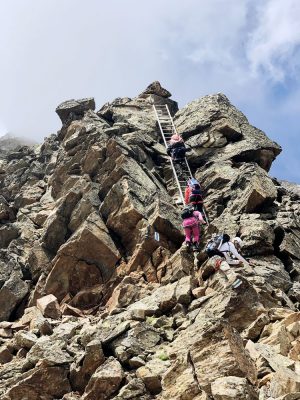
(181, 171)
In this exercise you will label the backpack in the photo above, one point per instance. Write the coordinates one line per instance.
(178, 152)
(196, 195)
(187, 212)
(214, 243)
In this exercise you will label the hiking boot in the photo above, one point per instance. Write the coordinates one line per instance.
(188, 245)
(195, 246)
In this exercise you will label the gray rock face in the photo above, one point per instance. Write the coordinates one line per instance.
(105, 381)
(12, 288)
(94, 307)
(74, 109)
(157, 89)
(217, 131)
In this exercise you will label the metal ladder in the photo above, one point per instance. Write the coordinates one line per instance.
(182, 171)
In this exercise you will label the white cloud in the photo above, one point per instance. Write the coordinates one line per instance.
(273, 45)
(60, 49)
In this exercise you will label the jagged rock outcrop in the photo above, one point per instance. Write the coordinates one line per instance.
(10, 142)
(93, 306)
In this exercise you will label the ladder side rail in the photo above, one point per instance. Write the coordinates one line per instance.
(170, 116)
(177, 180)
(188, 167)
(171, 119)
(160, 127)
(172, 164)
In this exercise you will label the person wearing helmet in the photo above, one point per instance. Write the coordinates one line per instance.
(176, 148)
(220, 260)
(191, 221)
(237, 241)
(193, 194)
(231, 252)
(175, 138)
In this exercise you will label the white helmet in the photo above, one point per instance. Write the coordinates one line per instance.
(239, 240)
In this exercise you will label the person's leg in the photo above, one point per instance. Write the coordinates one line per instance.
(187, 232)
(196, 233)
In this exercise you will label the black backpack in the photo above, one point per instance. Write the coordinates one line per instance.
(196, 195)
(178, 152)
(187, 212)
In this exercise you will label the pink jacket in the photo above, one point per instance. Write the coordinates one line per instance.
(192, 221)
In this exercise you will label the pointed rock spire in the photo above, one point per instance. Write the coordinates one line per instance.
(156, 88)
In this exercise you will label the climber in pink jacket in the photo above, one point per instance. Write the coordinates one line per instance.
(191, 221)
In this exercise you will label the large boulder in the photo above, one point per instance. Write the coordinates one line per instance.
(13, 288)
(211, 350)
(219, 132)
(40, 383)
(87, 259)
(156, 88)
(85, 365)
(8, 232)
(74, 109)
(105, 381)
(233, 387)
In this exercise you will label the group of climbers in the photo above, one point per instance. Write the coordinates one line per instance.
(192, 214)
(221, 251)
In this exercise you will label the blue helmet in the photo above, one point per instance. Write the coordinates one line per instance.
(192, 182)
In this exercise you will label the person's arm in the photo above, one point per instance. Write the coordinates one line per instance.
(234, 252)
(186, 195)
(199, 217)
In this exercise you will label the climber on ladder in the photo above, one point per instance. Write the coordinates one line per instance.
(193, 194)
(191, 224)
(175, 148)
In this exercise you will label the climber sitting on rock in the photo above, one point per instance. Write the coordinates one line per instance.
(191, 220)
(176, 148)
(193, 194)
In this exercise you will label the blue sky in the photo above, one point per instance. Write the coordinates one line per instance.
(54, 50)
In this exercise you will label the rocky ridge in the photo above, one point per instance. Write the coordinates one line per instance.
(93, 307)
(10, 142)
